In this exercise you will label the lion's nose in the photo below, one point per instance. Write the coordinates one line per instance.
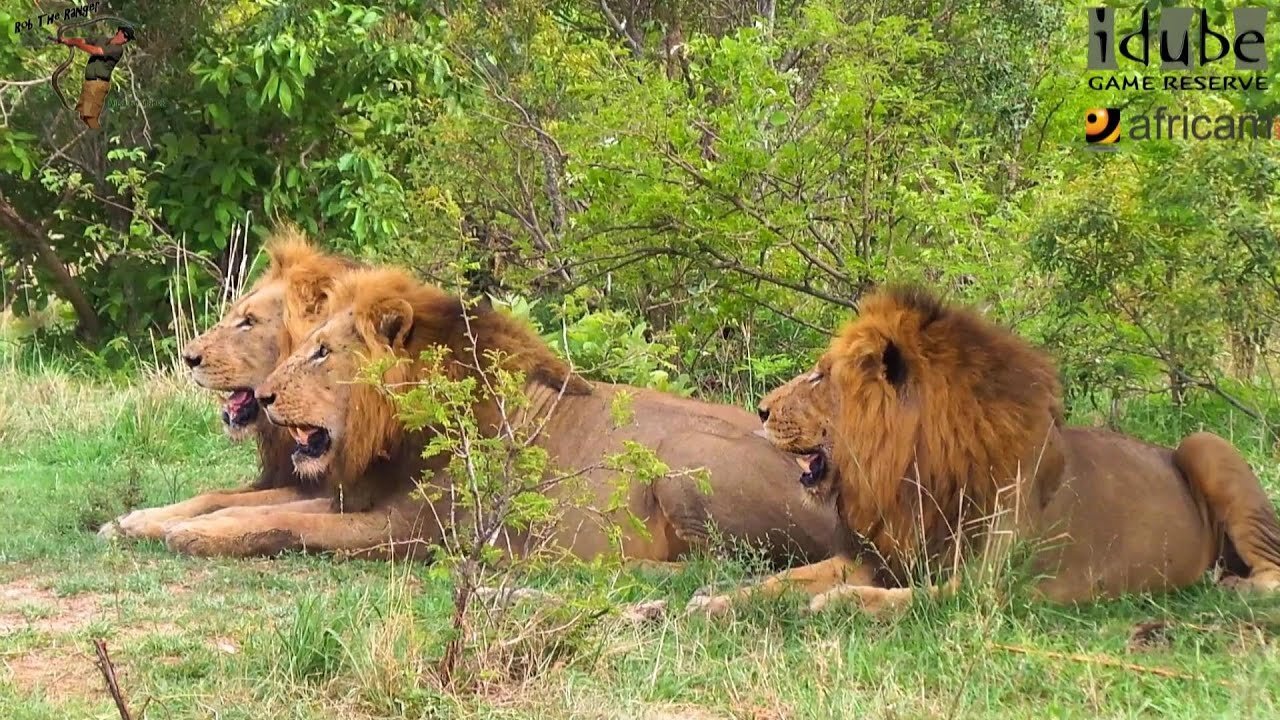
(763, 413)
(267, 399)
(191, 360)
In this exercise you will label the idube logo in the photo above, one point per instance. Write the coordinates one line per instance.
(1102, 128)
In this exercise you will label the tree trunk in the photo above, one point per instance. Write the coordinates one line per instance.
(34, 237)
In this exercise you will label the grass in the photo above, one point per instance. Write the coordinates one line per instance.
(307, 638)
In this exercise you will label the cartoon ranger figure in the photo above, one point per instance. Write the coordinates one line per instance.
(103, 58)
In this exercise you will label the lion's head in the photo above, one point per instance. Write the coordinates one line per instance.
(797, 419)
(914, 420)
(342, 426)
(238, 353)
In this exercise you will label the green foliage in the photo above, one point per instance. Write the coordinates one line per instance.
(683, 196)
(604, 344)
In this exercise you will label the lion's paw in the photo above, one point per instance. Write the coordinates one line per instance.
(185, 537)
(871, 600)
(1265, 581)
(228, 536)
(708, 605)
(137, 525)
(110, 531)
(644, 612)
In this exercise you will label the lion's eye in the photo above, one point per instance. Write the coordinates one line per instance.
(246, 322)
(815, 377)
(321, 353)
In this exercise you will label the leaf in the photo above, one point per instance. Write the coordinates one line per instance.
(286, 97)
(305, 63)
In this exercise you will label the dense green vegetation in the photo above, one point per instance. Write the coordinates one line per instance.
(728, 176)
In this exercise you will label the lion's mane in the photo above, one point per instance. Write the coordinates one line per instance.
(307, 275)
(398, 315)
(940, 415)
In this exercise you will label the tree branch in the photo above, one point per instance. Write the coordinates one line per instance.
(36, 239)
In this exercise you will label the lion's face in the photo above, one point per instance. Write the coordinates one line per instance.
(315, 395)
(797, 419)
(238, 353)
(309, 394)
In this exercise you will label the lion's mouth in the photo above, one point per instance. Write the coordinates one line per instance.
(813, 467)
(312, 441)
(240, 408)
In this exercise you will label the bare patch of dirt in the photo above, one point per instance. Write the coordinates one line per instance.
(23, 604)
(58, 673)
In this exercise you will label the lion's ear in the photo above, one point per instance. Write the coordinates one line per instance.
(388, 323)
(308, 298)
(893, 364)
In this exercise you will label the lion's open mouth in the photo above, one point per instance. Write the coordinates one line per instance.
(241, 408)
(813, 467)
(312, 441)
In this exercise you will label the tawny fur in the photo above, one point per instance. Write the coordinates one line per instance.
(945, 436)
(284, 305)
(374, 463)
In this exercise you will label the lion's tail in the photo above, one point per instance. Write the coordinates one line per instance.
(1236, 499)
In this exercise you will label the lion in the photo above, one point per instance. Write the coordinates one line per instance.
(237, 354)
(349, 432)
(936, 434)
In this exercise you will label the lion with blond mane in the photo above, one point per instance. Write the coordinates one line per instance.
(937, 435)
(234, 357)
(349, 432)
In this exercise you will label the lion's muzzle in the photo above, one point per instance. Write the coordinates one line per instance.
(813, 468)
(240, 409)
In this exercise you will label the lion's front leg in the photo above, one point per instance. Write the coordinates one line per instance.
(150, 523)
(875, 600)
(871, 600)
(812, 579)
(378, 533)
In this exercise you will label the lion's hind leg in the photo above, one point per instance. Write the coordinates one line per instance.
(1237, 501)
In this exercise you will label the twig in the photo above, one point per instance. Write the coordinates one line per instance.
(620, 26)
(1103, 660)
(109, 673)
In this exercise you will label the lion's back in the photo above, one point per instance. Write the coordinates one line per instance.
(755, 493)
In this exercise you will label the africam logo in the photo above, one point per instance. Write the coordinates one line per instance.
(1102, 129)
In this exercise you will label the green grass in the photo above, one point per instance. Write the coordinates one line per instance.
(310, 638)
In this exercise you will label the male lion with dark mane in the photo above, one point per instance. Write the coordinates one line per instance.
(237, 354)
(936, 433)
(349, 432)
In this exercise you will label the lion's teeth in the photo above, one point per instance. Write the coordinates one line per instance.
(803, 462)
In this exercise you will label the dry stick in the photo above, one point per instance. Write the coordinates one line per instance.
(1102, 660)
(109, 672)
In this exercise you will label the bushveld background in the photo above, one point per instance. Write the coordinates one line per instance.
(699, 192)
